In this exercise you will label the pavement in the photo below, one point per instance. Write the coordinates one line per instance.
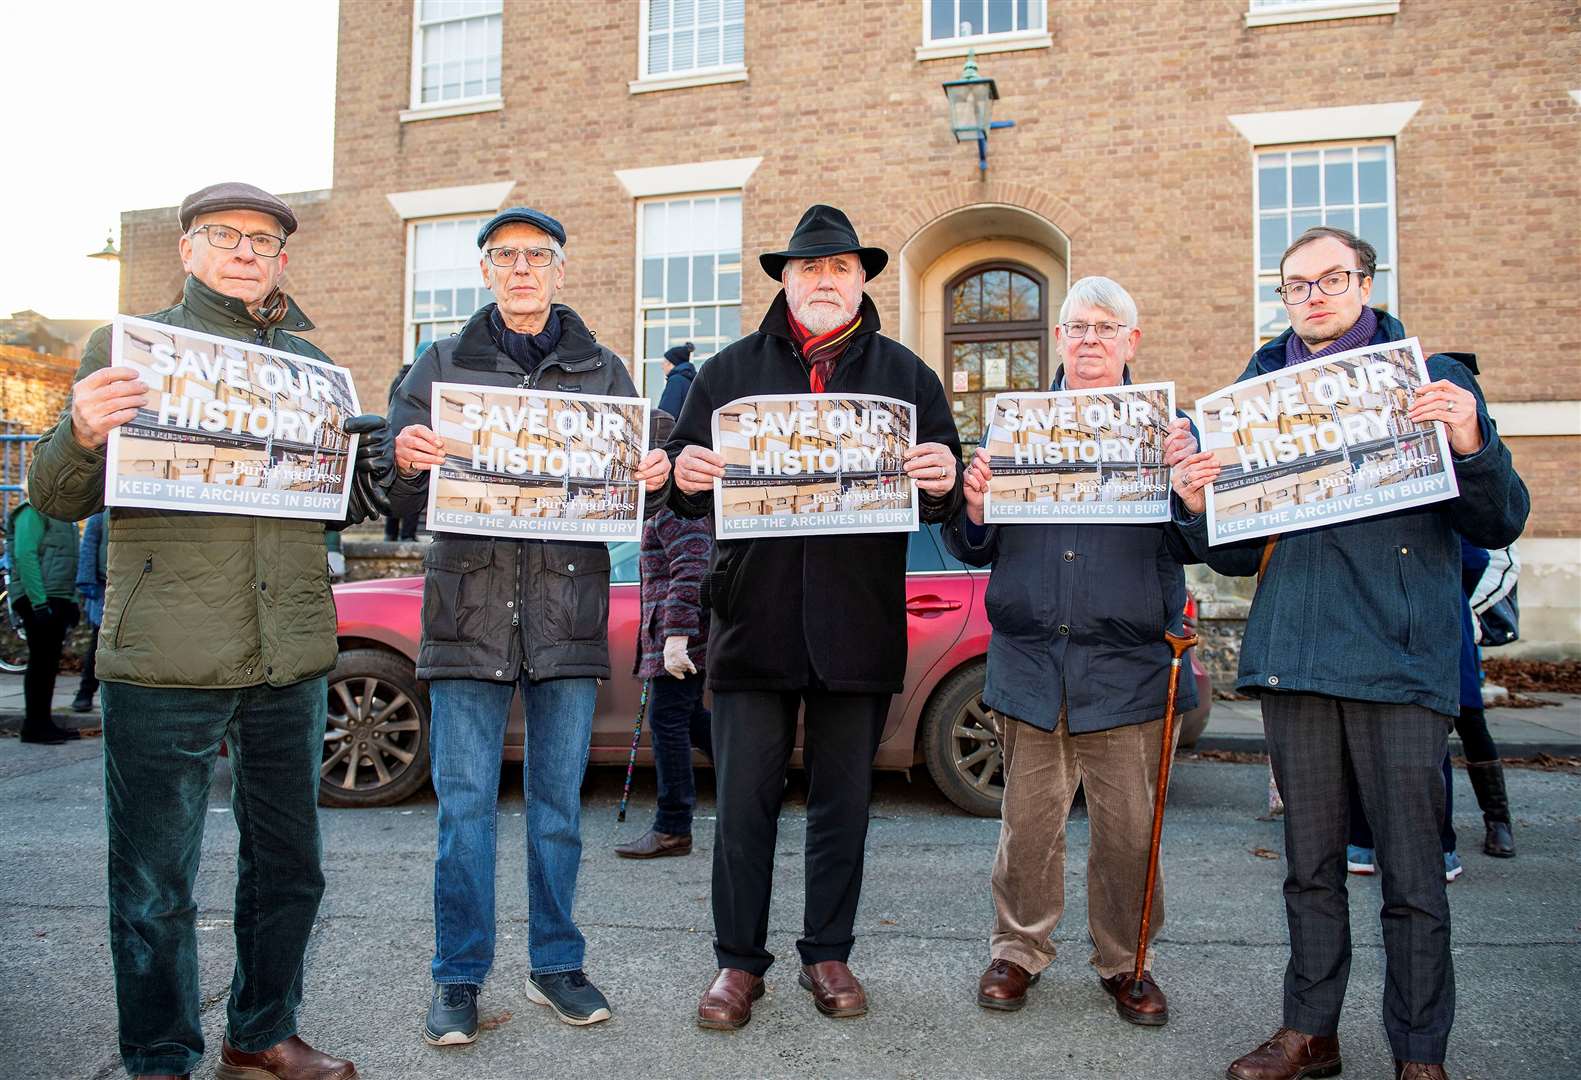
(1233, 725)
(921, 942)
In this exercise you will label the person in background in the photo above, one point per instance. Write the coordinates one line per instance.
(672, 640)
(44, 592)
(1486, 577)
(679, 372)
(401, 526)
(1360, 852)
(91, 562)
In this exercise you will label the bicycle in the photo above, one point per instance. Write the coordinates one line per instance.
(13, 635)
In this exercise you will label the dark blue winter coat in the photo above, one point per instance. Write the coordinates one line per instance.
(676, 384)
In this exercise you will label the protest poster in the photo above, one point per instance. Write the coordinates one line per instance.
(523, 464)
(1323, 442)
(230, 427)
(814, 465)
(1079, 455)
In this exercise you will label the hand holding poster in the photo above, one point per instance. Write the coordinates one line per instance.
(230, 428)
(1079, 455)
(814, 465)
(531, 463)
(1322, 442)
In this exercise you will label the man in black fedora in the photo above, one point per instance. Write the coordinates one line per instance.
(814, 622)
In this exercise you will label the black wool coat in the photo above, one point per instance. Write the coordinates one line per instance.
(799, 612)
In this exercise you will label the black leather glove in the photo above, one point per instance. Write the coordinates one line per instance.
(373, 470)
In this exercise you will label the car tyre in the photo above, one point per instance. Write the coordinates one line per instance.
(376, 739)
(962, 745)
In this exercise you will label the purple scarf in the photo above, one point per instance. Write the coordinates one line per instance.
(1296, 351)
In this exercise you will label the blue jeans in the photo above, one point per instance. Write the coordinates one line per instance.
(675, 711)
(466, 734)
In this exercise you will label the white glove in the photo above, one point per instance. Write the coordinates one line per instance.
(676, 662)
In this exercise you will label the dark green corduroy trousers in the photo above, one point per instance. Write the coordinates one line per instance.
(159, 751)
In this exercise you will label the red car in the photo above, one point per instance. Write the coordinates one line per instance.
(376, 748)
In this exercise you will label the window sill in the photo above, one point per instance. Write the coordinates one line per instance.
(998, 43)
(1333, 9)
(452, 108)
(681, 82)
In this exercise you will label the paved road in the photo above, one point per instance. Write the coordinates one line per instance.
(921, 929)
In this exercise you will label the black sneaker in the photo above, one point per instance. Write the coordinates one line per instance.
(452, 1015)
(82, 704)
(573, 999)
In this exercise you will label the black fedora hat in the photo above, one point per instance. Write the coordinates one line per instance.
(824, 230)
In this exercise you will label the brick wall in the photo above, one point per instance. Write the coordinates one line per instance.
(33, 387)
(1121, 140)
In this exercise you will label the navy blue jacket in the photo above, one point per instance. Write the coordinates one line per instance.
(1370, 609)
(676, 384)
(1078, 614)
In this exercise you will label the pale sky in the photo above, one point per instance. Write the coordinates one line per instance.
(112, 105)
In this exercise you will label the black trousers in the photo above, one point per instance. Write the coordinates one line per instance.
(754, 733)
(90, 680)
(46, 639)
(1396, 754)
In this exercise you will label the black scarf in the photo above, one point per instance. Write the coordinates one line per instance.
(528, 350)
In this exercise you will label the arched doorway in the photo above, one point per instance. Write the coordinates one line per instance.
(996, 334)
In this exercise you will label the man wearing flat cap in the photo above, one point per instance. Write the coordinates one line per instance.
(499, 615)
(218, 628)
(814, 622)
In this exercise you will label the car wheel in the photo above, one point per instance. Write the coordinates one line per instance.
(376, 740)
(961, 743)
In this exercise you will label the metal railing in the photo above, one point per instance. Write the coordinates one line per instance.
(15, 448)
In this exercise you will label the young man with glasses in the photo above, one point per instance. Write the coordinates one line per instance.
(503, 615)
(1352, 643)
(217, 628)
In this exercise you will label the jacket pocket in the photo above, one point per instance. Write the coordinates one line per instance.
(1406, 633)
(454, 591)
(720, 582)
(575, 592)
(131, 595)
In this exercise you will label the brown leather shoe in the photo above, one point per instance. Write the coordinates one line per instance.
(289, 1059)
(727, 1003)
(655, 845)
(1289, 1055)
(1004, 986)
(1418, 1070)
(835, 990)
(1147, 1006)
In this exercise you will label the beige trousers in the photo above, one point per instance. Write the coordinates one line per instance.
(1119, 770)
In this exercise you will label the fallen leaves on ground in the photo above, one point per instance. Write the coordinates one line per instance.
(1238, 757)
(1265, 853)
(498, 1020)
(1535, 676)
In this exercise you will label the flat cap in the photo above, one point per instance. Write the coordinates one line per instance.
(527, 216)
(232, 195)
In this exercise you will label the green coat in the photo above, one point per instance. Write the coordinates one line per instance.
(43, 554)
(210, 601)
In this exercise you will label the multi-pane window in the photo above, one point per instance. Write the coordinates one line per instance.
(995, 340)
(686, 37)
(1348, 186)
(949, 20)
(443, 280)
(458, 51)
(690, 288)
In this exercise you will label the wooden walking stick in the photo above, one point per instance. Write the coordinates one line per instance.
(636, 736)
(1178, 647)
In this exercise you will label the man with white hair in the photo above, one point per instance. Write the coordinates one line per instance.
(1078, 672)
(814, 621)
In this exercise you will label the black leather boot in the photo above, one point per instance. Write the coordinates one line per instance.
(1487, 780)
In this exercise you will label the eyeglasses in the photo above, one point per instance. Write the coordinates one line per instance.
(264, 245)
(507, 256)
(1296, 292)
(1106, 330)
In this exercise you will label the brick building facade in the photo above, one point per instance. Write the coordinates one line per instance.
(1169, 144)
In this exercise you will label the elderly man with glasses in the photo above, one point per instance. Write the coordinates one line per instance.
(503, 615)
(218, 629)
(1353, 646)
(1078, 672)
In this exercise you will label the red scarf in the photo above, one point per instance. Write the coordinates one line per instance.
(821, 350)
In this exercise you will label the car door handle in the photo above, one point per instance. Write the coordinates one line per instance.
(930, 607)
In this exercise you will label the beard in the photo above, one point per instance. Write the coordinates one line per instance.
(822, 318)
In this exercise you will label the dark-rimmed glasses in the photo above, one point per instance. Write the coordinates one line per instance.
(507, 256)
(1076, 331)
(265, 245)
(1333, 284)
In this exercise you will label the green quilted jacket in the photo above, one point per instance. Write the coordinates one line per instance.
(208, 601)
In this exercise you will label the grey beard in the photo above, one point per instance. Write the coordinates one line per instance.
(821, 318)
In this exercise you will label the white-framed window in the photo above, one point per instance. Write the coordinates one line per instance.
(1348, 185)
(982, 22)
(692, 38)
(1274, 12)
(456, 47)
(688, 279)
(443, 284)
